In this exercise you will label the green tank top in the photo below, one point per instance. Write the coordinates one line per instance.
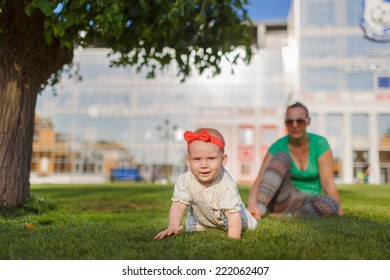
(308, 180)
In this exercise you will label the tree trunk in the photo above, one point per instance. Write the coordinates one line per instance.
(17, 106)
(26, 63)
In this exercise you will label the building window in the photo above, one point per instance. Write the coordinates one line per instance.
(269, 136)
(320, 13)
(313, 127)
(384, 127)
(359, 125)
(34, 162)
(246, 136)
(384, 146)
(312, 46)
(245, 169)
(334, 133)
(62, 164)
(355, 12)
(320, 78)
(360, 81)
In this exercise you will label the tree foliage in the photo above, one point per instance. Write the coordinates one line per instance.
(38, 37)
(152, 33)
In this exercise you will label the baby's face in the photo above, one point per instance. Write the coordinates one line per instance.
(205, 161)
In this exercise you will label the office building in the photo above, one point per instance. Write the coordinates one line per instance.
(321, 57)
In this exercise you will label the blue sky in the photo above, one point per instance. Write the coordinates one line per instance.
(269, 10)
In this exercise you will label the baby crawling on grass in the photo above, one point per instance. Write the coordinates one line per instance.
(207, 189)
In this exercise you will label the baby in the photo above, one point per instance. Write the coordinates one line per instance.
(207, 190)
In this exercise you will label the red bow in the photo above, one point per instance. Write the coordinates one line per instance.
(190, 136)
(204, 136)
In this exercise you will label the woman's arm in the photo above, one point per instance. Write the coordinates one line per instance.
(234, 225)
(176, 214)
(325, 163)
(252, 199)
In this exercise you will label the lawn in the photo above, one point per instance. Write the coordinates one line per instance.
(118, 222)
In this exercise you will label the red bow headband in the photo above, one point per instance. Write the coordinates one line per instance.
(204, 136)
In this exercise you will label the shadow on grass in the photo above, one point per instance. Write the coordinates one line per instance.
(103, 191)
(34, 205)
(110, 198)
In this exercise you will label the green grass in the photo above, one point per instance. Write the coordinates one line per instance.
(118, 222)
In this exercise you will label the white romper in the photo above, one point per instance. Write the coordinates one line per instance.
(207, 205)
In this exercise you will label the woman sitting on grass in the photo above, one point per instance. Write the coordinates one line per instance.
(295, 170)
(207, 189)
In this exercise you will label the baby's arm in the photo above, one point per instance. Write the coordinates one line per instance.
(176, 214)
(234, 224)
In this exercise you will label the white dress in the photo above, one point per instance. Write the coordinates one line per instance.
(207, 206)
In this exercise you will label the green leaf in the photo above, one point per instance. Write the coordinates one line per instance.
(45, 6)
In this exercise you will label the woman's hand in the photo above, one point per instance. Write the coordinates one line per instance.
(325, 163)
(254, 190)
(254, 211)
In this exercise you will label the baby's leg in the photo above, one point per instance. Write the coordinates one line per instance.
(191, 223)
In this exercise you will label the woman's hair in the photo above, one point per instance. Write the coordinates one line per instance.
(298, 105)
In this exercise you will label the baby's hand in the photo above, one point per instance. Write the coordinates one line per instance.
(169, 231)
(234, 225)
(235, 235)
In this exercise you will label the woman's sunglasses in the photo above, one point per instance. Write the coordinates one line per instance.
(300, 122)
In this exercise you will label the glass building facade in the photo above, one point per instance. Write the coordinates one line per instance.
(343, 76)
(117, 118)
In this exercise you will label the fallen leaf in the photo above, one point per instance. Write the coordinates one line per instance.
(29, 227)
